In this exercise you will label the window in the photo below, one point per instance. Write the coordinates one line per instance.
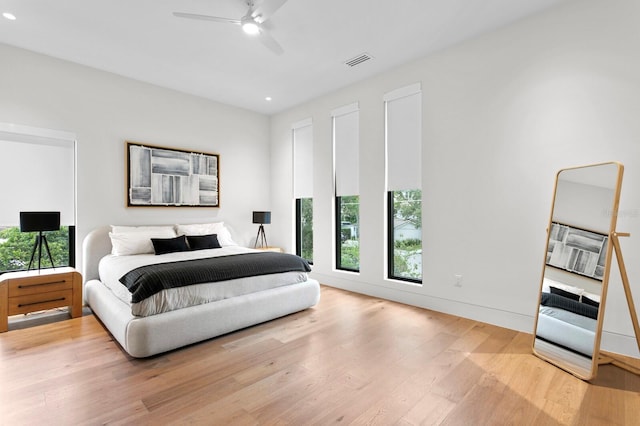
(304, 228)
(16, 248)
(347, 236)
(303, 187)
(346, 135)
(38, 169)
(405, 234)
(403, 116)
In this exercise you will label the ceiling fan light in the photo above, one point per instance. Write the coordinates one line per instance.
(250, 27)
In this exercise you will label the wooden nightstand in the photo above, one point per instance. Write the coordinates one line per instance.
(30, 291)
(276, 249)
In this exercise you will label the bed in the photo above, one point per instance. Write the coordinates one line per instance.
(203, 310)
(566, 320)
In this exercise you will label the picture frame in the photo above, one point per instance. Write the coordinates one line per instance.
(577, 250)
(168, 177)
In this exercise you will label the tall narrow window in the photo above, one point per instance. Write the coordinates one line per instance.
(403, 118)
(303, 187)
(346, 136)
(304, 228)
(38, 171)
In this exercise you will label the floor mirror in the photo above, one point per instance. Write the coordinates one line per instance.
(578, 262)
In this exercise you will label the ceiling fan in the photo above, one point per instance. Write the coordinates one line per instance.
(251, 22)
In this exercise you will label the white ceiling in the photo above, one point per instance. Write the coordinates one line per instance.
(141, 39)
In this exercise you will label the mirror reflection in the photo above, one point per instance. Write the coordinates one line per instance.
(576, 270)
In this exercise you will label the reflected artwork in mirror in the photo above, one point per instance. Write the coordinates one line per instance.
(572, 295)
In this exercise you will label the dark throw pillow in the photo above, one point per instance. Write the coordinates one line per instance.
(170, 245)
(590, 302)
(203, 242)
(564, 293)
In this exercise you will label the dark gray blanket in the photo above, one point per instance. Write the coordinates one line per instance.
(558, 301)
(148, 280)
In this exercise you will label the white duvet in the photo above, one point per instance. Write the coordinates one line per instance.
(112, 268)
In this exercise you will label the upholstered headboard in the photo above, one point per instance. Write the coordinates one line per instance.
(95, 246)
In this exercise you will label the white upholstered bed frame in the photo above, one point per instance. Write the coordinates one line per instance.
(147, 336)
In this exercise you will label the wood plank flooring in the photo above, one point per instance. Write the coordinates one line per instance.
(353, 359)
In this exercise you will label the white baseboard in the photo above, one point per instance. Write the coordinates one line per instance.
(612, 342)
(619, 343)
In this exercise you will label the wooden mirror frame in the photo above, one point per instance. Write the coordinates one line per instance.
(555, 353)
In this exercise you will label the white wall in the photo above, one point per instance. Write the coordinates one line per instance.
(501, 115)
(104, 110)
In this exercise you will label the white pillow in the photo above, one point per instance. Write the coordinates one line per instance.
(571, 289)
(199, 228)
(224, 236)
(137, 241)
(592, 296)
(118, 229)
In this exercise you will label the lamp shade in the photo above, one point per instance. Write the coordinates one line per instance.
(262, 217)
(39, 221)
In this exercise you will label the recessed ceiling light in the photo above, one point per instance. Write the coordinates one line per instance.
(9, 16)
(268, 98)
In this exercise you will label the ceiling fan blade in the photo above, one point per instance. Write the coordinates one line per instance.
(264, 36)
(206, 18)
(270, 42)
(266, 9)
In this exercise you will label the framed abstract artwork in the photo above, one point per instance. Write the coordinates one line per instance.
(577, 250)
(159, 176)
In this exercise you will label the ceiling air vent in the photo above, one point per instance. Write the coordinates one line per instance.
(358, 59)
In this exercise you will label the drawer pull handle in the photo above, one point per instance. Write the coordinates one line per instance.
(40, 302)
(36, 285)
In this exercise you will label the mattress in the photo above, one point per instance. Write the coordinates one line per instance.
(572, 331)
(569, 317)
(112, 268)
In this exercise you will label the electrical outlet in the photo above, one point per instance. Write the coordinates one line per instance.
(457, 280)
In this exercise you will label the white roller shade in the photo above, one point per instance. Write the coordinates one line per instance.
(346, 139)
(403, 109)
(38, 174)
(303, 159)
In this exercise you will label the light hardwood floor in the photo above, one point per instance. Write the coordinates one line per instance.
(352, 359)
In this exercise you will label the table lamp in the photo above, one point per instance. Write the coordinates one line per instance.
(262, 218)
(39, 222)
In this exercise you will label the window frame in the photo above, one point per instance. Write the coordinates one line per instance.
(71, 253)
(298, 236)
(391, 243)
(345, 126)
(402, 136)
(338, 234)
(29, 134)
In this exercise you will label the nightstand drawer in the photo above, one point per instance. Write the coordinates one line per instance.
(40, 284)
(40, 301)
